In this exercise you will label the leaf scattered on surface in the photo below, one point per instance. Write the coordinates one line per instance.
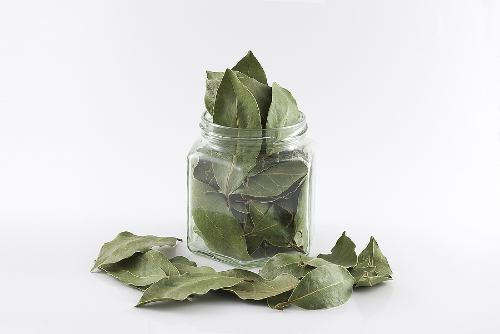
(342, 253)
(324, 287)
(126, 244)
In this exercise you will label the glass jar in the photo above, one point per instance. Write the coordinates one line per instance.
(249, 192)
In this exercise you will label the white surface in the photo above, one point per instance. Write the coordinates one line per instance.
(99, 104)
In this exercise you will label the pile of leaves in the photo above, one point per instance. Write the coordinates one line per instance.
(250, 198)
(285, 279)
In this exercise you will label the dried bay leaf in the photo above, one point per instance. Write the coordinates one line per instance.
(260, 288)
(301, 218)
(204, 172)
(372, 267)
(324, 287)
(186, 266)
(126, 244)
(271, 223)
(280, 299)
(182, 260)
(250, 66)
(216, 225)
(261, 92)
(141, 269)
(181, 287)
(294, 264)
(235, 107)
(274, 180)
(342, 253)
(283, 110)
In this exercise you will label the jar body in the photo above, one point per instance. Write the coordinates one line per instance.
(249, 197)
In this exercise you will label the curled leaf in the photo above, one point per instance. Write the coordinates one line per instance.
(141, 269)
(126, 244)
(342, 253)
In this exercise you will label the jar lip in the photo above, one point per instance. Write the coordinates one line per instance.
(212, 129)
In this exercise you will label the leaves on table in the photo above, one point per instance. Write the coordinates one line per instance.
(141, 269)
(372, 267)
(126, 244)
(342, 253)
(294, 264)
(324, 287)
(280, 300)
(181, 287)
(260, 288)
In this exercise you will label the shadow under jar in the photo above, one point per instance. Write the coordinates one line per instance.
(249, 192)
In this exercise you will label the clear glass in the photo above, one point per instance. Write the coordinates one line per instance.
(249, 192)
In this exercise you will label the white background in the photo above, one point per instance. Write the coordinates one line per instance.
(100, 102)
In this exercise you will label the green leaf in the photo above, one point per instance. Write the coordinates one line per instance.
(274, 180)
(280, 299)
(177, 260)
(186, 266)
(212, 85)
(372, 267)
(342, 253)
(181, 287)
(261, 92)
(271, 223)
(235, 106)
(301, 218)
(255, 287)
(218, 228)
(294, 264)
(141, 269)
(324, 287)
(204, 172)
(283, 110)
(250, 66)
(126, 244)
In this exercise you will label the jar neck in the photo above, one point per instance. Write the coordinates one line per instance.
(226, 136)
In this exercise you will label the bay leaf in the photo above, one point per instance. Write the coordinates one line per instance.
(217, 226)
(294, 264)
(250, 66)
(212, 85)
(301, 218)
(283, 110)
(280, 299)
(141, 269)
(235, 107)
(204, 172)
(182, 260)
(181, 287)
(372, 267)
(126, 244)
(274, 180)
(261, 92)
(342, 253)
(324, 287)
(260, 288)
(271, 223)
(186, 266)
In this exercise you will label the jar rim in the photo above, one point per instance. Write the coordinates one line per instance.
(212, 129)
